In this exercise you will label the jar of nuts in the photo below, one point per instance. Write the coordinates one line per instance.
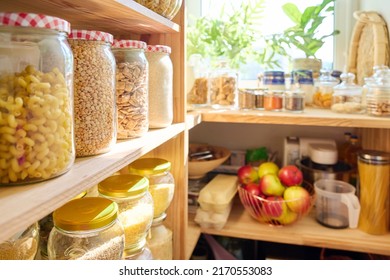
(94, 92)
(132, 70)
(36, 91)
(378, 94)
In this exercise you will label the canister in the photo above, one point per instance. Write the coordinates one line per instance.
(322, 97)
(36, 98)
(378, 94)
(347, 96)
(273, 80)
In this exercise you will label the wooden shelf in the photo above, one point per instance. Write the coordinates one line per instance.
(21, 206)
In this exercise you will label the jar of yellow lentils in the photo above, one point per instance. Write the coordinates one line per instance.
(36, 98)
(131, 192)
(161, 181)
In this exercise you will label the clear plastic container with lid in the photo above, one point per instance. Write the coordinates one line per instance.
(160, 86)
(36, 92)
(135, 203)
(87, 229)
(322, 97)
(161, 181)
(132, 92)
(94, 92)
(160, 240)
(347, 96)
(378, 94)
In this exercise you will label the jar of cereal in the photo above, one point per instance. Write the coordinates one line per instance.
(94, 92)
(160, 240)
(36, 98)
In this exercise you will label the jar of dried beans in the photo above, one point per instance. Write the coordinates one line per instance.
(131, 192)
(94, 92)
(160, 86)
(132, 70)
(86, 229)
(36, 91)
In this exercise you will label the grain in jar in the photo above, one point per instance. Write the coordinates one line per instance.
(94, 92)
(36, 91)
(160, 86)
(132, 92)
(160, 240)
(347, 96)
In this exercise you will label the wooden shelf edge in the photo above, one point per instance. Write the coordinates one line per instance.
(193, 118)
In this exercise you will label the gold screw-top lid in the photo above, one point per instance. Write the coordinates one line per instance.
(85, 214)
(149, 166)
(124, 185)
(80, 195)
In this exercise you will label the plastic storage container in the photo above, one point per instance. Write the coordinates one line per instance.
(161, 181)
(135, 207)
(132, 88)
(347, 96)
(87, 229)
(94, 92)
(36, 95)
(378, 94)
(322, 97)
(160, 240)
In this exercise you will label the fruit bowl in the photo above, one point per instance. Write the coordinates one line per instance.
(275, 210)
(204, 158)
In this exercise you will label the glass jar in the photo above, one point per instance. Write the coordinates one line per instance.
(294, 101)
(158, 6)
(198, 76)
(143, 254)
(378, 94)
(246, 98)
(273, 80)
(160, 86)
(94, 92)
(135, 207)
(161, 181)
(132, 93)
(22, 245)
(347, 96)
(273, 100)
(171, 15)
(86, 229)
(259, 99)
(303, 79)
(222, 87)
(322, 97)
(36, 93)
(160, 240)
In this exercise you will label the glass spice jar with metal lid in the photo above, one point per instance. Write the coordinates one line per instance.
(36, 95)
(161, 181)
(87, 229)
(94, 92)
(131, 193)
(132, 89)
(160, 240)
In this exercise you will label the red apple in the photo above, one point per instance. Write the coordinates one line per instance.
(247, 174)
(290, 175)
(253, 188)
(270, 185)
(273, 206)
(297, 199)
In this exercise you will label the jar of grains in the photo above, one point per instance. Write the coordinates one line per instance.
(94, 92)
(160, 86)
(158, 6)
(22, 246)
(132, 70)
(135, 207)
(36, 92)
(160, 240)
(161, 181)
(86, 229)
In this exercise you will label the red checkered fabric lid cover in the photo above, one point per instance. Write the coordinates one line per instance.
(129, 44)
(91, 35)
(34, 20)
(158, 48)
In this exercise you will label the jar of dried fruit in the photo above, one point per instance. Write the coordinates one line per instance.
(94, 92)
(132, 90)
(322, 97)
(36, 91)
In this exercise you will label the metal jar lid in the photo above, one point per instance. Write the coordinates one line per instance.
(374, 157)
(149, 166)
(123, 185)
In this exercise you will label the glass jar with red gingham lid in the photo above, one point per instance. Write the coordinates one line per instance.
(160, 86)
(36, 92)
(94, 92)
(131, 88)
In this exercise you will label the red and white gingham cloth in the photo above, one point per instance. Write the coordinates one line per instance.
(129, 44)
(92, 35)
(158, 48)
(34, 20)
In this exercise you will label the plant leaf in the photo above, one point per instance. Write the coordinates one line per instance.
(292, 11)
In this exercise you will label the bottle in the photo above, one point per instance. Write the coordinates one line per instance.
(352, 157)
(344, 146)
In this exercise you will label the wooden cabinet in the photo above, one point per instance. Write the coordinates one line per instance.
(20, 206)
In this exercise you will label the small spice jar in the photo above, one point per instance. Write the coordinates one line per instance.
(246, 98)
(322, 97)
(132, 89)
(94, 92)
(135, 203)
(160, 86)
(22, 245)
(160, 240)
(304, 80)
(378, 94)
(259, 99)
(294, 101)
(273, 100)
(86, 229)
(36, 92)
(347, 96)
(161, 181)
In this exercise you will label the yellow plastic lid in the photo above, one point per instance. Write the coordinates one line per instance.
(85, 214)
(149, 166)
(124, 185)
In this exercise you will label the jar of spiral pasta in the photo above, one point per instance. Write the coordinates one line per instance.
(94, 92)
(131, 192)
(131, 88)
(36, 91)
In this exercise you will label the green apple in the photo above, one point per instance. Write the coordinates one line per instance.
(270, 185)
(268, 167)
(297, 199)
(287, 217)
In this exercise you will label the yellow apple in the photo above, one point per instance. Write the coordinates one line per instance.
(268, 167)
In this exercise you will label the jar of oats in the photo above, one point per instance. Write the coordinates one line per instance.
(132, 70)
(131, 192)
(160, 86)
(86, 229)
(36, 91)
(161, 181)
(94, 92)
